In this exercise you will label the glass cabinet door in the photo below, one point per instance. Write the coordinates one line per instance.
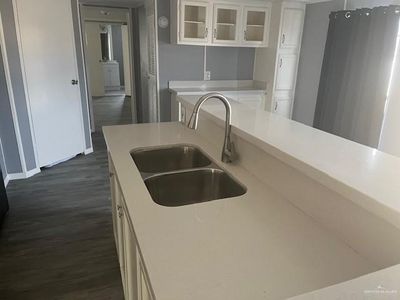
(194, 21)
(226, 19)
(256, 25)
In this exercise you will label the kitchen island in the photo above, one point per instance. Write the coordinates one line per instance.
(293, 231)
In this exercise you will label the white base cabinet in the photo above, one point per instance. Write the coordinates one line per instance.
(133, 275)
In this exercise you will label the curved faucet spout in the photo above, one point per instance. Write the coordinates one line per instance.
(228, 151)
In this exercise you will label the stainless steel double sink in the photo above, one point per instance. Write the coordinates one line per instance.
(177, 175)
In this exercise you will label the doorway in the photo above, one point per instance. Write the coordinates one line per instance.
(107, 40)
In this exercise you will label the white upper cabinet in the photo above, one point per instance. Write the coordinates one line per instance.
(194, 22)
(292, 27)
(220, 23)
(256, 25)
(226, 23)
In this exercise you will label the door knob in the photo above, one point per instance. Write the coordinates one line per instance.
(74, 82)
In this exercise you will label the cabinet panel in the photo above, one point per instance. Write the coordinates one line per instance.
(286, 71)
(292, 27)
(256, 25)
(282, 107)
(130, 260)
(226, 23)
(143, 284)
(194, 21)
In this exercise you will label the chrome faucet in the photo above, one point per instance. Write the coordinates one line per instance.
(228, 150)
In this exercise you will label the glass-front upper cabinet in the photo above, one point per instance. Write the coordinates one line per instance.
(195, 20)
(256, 25)
(226, 23)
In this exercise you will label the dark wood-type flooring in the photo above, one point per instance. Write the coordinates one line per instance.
(57, 241)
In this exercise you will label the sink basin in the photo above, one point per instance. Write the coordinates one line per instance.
(169, 158)
(192, 186)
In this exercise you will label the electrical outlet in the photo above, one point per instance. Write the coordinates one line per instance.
(207, 75)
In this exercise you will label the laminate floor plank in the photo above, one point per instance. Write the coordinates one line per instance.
(57, 241)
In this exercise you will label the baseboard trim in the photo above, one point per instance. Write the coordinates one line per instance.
(6, 180)
(18, 176)
(32, 172)
(88, 151)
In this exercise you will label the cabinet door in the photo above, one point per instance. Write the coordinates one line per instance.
(292, 27)
(226, 23)
(286, 71)
(256, 25)
(130, 260)
(283, 107)
(194, 22)
(121, 240)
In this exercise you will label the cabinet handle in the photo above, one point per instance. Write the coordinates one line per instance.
(215, 33)
(276, 106)
(206, 33)
(245, 35)
(74, 82)
(119, 207)
(283, 39)
(280, 62)
(120, 214)
(111, 175)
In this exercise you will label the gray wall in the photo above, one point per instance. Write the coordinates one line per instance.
(117, 49)
(178, 62)
(10, 36)
(81, 74)
(2, 163)
(7, 129)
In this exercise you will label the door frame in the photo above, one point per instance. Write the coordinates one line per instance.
(84, 54)
(25, 173)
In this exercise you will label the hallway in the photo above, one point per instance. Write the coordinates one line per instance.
(111, 110)
(57, 241)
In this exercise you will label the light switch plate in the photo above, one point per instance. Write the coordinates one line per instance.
(207, 75)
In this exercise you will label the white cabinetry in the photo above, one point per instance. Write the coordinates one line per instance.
(220, 23)
(278, 64)
(286, 71)
(255, 25)
(226, 22)
(292, 27)
(111, 75)
(135, 283)
(194, 22)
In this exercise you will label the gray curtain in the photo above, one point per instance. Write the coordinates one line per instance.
(355, 74)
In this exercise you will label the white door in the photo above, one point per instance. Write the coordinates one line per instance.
(48, 55)
(93, 49)
(286, 71)
(126, 58)
(292, 27)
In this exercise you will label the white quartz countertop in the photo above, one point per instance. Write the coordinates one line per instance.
(222, 86)
(197, 91)
(362, 174)
(256, 246)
